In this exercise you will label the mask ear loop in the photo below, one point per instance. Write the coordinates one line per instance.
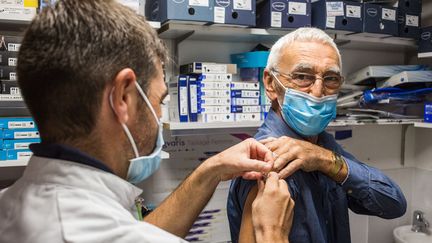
(125, 128)
(280, 83)
(147, 101)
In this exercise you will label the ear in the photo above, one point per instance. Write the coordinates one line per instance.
(123, 94)
(269, 85)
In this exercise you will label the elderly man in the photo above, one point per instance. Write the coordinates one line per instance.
(302, 79)
(91, 74)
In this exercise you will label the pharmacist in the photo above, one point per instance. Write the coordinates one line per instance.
(91, 76)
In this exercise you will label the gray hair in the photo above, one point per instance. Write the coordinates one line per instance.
(302, 35)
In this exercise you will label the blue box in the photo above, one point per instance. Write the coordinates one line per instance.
(380, 20)
(345, 16)
(286, 14)
(235, 12)
(193, 98)
(18, 144)
(413, 6)
(253, 59)
(245, 93)
(409, 24)
(180, 10)
(13, 154)
(19, 134)
(17, 123)
(425, 42)
(428, 112)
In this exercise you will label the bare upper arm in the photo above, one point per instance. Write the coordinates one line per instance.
(246, 230)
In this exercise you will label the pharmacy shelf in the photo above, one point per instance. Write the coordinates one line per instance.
(194, 31)
(425, 55)
(423, 125)
(13, 163)
(201, 128)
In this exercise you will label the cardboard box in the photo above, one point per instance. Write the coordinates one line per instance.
(8, 58)
(10, 43)
(7, 72)
(340, 16)
(17, 123)
(13, 154)
(208, 68)
(10, 87)
(19, 134)
(379, 20)
(425, 42)
(286, 14)
(19, 144)
(409, 24)
(235, 12)
(180, 10)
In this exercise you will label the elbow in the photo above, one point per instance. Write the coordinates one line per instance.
(395, 209)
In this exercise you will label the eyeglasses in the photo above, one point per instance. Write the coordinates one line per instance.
(306, 80)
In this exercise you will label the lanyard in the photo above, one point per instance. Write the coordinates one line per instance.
(142, 209)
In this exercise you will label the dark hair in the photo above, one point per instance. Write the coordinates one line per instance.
(70, 52)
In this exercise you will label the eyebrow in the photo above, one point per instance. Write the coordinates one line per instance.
(303, 67)
(333, 69)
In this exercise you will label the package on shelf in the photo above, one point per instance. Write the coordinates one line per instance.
(10, 87)
(223, 117)
(428, 112)
(233, 12)
(240, 117)
(221, 109)
(245, 101)
(8, 58)
(19, 133)
(409, 24)
(425, 42)
(215, 93)
(196, 11)
(18, 144)
(379, 21)
(7, 72)
(10, 43)
(18, 9)
(371, 74)
(284, 14)
(338, 16)
(208, 68)
(245, 86)
(215, 77)
(215, 101)
(17, 123)
(14, 154)
(409, 5)
(246, 109)
(178, 92)
(245, 93)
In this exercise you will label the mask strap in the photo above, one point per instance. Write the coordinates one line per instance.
(125, 128)
(279, 82)
(147, 101)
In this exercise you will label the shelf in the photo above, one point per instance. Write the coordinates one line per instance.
(14, 25)
(423, 125)
(13, 108)
(425, 55)
(13, 163)
(200, 128)
(194, 31)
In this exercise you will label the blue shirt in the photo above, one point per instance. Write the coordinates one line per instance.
(321, 204)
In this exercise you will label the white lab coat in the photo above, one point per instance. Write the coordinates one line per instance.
(63, 201)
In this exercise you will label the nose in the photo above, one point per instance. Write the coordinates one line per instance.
(317, 88)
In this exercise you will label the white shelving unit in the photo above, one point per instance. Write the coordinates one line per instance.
(13, 163)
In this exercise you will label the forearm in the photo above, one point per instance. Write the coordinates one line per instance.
(271, 236)
(178, 212)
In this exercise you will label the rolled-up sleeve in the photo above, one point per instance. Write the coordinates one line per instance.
(371, 192)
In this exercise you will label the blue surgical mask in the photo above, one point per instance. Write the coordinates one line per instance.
(306, 114)
(141, 167)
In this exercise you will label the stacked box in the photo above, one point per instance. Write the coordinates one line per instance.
(409, 18)
(246, 100)
(9, 47)
(16, 134)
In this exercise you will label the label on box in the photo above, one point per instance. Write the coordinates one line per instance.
(183, 101)
(353, 11)
(412, 20)
(216, 77)
(22, 145)
(12, 76)
(201, 3)
(13, 46)
(247, 117)
(335, 9)
(389, 14)
(215, 109)
(20, 124)
(12, 61)
(214, 68)
(17, 13)
(215, 101)
(219, 15)
(216, 93)
(276, 19)
(23, 155)
(194, 98)
(243, 5)
(297, 8)
(19, 135)
(214, 85)
(331, 22)
(15, 91)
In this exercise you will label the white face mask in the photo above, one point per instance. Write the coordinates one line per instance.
(141, 167)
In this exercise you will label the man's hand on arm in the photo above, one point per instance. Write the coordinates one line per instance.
(293, 154)
(176, 214)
